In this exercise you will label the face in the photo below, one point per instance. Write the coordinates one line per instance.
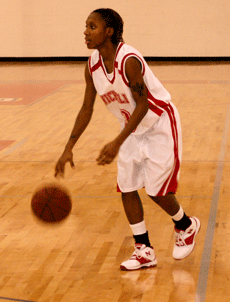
(96, 33)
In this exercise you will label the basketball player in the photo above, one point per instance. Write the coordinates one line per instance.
(149, 144)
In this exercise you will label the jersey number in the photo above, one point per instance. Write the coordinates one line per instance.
(126, 115)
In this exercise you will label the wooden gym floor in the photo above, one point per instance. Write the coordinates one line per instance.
(79, 259)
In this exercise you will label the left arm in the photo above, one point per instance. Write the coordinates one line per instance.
(138, 89)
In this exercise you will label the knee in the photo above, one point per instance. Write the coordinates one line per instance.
(129, 194)
(159, 199)
(129, 197)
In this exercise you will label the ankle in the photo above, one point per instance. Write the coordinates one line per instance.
(143, 239)
(183, 223)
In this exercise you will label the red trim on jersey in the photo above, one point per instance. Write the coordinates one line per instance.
(118, 48)
(159, 103)
(155, 109)
(157, 106)
(105, 73)
(95, 66)
(122, 71)
(115, 64)
(100, 63)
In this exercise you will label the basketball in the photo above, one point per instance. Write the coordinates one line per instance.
(51, 203)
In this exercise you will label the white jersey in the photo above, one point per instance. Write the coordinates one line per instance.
(115, 91)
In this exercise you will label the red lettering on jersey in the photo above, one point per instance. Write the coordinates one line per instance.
(113, 96)
(109, 98)
(124, 100)
(105, 99)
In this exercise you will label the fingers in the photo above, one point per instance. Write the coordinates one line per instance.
(104, 159)
(101, 158)
(106, 155)
(102, 162)
(59, 170)
(72, 164)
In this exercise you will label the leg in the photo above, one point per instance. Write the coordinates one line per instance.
(168, 203)
(185, 228)
(135, 214)
(133, 207)
(171, 206)
(143, 255)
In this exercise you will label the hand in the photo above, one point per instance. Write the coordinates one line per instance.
(67, 156)
(108, 153)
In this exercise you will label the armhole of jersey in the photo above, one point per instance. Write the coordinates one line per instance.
(123, 66)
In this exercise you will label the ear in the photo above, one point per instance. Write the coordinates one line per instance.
(110, 31)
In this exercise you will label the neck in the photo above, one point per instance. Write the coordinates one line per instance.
(108, 52)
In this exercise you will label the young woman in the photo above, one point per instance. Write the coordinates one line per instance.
(149, 144)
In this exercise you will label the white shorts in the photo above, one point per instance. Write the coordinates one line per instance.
(152, 160)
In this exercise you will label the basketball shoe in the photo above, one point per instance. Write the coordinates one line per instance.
(185, 240)
(143, 256)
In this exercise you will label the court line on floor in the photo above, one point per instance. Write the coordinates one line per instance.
(47, 95)
(94, 161)
(19, 144)
(207, 250)
(105, 196)
(12, 299)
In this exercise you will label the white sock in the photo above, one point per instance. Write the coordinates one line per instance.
(179, 215)
(138, 228)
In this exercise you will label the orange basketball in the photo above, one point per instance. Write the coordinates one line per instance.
(51, 203)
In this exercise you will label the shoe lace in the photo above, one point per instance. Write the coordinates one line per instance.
(135, 255)
(179, 238)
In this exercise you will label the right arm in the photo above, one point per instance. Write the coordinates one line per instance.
(82, 121)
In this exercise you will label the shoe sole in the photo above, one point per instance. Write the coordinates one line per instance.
(146, 265)
(197, 231)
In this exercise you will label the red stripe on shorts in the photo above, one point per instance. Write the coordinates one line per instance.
(171, 184)
(118, 188)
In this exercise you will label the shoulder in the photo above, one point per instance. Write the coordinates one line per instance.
(130, 60)
(133, 64)
(129, 50)
(93, 61)
(94, 57)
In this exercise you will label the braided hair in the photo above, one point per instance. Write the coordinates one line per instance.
(114, 20)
